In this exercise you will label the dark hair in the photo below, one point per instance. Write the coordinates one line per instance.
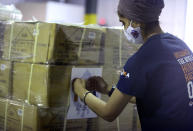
(120, 15)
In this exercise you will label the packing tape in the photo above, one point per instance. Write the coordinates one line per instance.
(11, 39)
(118, 124)
(29, 87)
(36, 33)
(80, 46)
(134, 122)
(23, 106)
(5, 121)
(120, 49)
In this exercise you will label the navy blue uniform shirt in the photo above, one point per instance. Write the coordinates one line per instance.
(160, 76)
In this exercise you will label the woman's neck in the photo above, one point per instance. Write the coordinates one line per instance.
(158, 30)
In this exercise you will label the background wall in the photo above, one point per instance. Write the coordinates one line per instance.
(172, 20)
(108, 9)
(189, 24)
(30, 9)
(52, 11)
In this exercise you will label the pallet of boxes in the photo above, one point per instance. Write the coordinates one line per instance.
(114, 52)
(117, 51)
(35, 73)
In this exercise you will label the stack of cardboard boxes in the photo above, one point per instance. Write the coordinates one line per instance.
(35, 71)
(17, 116)
(117, 50)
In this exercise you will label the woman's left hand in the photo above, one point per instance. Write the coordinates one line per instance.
(79, 87)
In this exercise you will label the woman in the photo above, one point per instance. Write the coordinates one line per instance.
(158, 75)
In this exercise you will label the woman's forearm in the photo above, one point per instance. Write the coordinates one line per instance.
(107, 110)
(99, 107)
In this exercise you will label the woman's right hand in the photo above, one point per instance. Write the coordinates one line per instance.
(97, 83)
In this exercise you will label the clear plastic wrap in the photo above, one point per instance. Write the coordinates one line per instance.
(38, 42)
(17, 116)
(36, 84)
(36, 60)
(127, 121)
(9, 12)
(117, 50)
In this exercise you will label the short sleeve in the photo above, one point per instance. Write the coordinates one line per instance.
(132, 81)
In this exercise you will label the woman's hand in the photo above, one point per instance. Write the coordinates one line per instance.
(97, 83)
(78, 87)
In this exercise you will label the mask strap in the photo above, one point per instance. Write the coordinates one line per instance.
(130, 23)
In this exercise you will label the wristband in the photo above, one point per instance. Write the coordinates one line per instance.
(84, 98)
(112, 90)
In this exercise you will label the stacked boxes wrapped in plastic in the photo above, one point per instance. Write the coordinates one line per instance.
(35, 69)
(17, 116)
(117, 50)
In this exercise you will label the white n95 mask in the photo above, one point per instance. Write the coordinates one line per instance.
(134, 35)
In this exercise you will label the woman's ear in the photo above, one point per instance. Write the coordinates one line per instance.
(135, 24)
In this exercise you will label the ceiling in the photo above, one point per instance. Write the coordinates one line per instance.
(66, 1)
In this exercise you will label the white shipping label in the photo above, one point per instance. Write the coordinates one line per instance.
(77, 109)
(20, 112)
(3, 67)
(92, 35)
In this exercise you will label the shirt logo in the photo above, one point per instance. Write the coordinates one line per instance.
(125, 74)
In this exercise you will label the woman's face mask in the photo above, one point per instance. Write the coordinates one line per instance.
(134, 35)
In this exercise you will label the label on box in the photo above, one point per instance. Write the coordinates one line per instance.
(2, 67)
(78, 110)
(23, 41)
(20, 112)
(93, 48)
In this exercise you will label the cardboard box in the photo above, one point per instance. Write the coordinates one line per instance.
(117, 51)
(127, 120)
(90, 124)
(4, 39)
(77, 125)
(41, 85)
(38, 42)
(2, 33)
(2, 114)
(92, 46)
(5, 78)
(15, 116)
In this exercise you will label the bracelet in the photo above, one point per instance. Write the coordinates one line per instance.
(111, 91)
(84, 98)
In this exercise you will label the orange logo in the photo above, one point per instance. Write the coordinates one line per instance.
(125, 74)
